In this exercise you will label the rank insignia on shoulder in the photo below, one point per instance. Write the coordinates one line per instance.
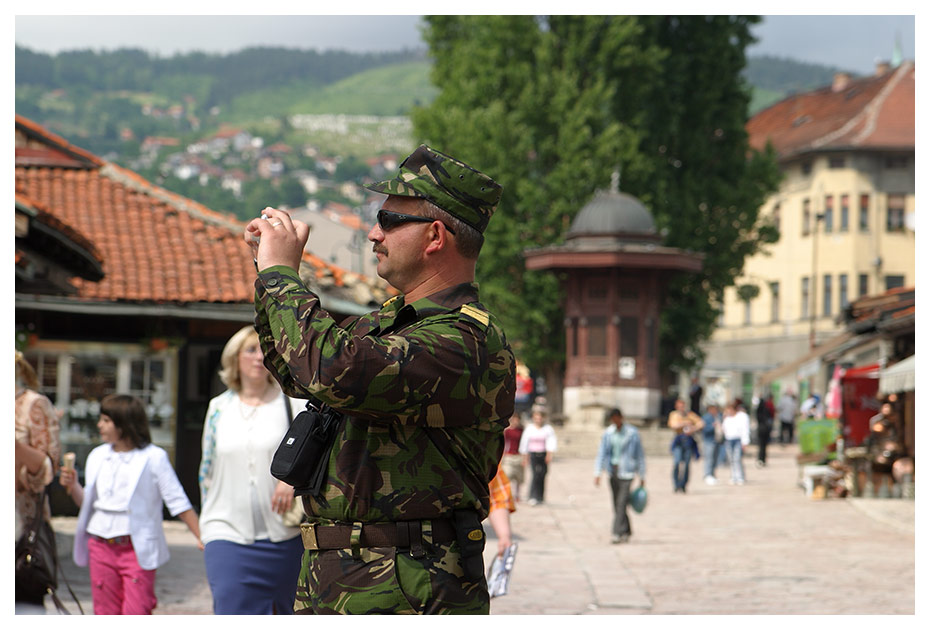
(475, 314)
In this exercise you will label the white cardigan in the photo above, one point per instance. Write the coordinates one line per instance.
(152, 481)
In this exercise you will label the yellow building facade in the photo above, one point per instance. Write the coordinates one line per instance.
(845, 210)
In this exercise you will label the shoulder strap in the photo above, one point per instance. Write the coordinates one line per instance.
(476, 315)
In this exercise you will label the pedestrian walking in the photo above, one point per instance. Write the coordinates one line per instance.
(787, 410)
(765, 414)
(512, 461)
(119, 527)
(502, 504)
(686, 425)
(621, 456)
(419, 394)
(713, 442)
(736, 434)
(37, 452)
(537, 444)
(252, 557)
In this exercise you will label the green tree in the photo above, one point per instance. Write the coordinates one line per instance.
(552, 106)
(529, 101)
(705, 185)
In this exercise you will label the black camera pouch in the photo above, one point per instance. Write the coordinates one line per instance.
(302, 457)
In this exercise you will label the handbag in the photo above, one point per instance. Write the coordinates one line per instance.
(37, 564)
(638, 499)
(302, 457)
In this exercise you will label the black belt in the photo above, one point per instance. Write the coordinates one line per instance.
(396, 534)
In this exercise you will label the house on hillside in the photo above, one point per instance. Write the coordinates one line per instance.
(381, 165)
(845, 210)
(269, 167)
(122, 286)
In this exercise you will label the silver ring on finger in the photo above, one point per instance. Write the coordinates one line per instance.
(276, 224)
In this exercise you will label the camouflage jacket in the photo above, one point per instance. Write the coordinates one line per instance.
(426, 387)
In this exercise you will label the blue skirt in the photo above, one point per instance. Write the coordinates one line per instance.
(256, 579)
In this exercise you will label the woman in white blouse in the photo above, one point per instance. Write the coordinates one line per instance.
(119, 528)
(537, 444)
(252, 558)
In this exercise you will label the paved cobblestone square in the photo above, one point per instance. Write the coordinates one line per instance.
(758, 549)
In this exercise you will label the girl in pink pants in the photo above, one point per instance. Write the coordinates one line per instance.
(119, 529)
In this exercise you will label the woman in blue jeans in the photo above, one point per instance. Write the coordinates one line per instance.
(736, 436)
(714, 448)
(686, 425)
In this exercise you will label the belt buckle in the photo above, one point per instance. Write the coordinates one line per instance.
(415, 533)
(308, 536)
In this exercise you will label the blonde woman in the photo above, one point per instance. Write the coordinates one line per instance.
(252, 558)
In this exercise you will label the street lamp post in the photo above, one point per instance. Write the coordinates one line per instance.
(813, 294)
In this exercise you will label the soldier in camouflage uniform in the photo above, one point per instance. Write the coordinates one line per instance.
(426, 385)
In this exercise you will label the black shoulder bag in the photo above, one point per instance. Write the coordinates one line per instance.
(37, 565)
(303, 455)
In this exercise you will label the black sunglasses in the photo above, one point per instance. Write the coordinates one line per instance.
(388, 220)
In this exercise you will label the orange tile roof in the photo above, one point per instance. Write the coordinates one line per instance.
(893, 303)
(156, 246)
(43, 215)
(874, 112)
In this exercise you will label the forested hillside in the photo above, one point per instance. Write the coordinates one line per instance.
(110, 102)
(98, 98)
(94, 97)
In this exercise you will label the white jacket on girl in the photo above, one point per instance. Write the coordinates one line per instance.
(152, 481)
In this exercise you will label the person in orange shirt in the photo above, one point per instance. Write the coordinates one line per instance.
(502, 504)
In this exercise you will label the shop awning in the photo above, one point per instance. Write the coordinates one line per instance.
(863, 371)
(899, 377)
(808, 364)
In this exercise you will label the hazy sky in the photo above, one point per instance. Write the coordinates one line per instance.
(851, 42)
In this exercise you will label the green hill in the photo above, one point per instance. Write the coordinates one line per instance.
(774, 78)
(387, 91)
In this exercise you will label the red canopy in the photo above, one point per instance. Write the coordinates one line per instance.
(864, 371)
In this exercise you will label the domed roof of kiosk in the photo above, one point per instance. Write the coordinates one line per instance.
(614, 213)
(613, 230)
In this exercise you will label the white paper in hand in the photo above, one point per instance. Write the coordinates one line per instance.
(499, 573)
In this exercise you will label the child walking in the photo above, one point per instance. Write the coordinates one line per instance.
(736, 434)
(119, 530)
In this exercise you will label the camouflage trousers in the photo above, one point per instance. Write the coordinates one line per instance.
(388, 580)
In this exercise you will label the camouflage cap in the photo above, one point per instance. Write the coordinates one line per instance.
(455, 187)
